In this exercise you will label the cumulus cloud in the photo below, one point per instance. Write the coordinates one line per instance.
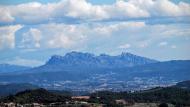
(5, 15)
(122, 10)
(53, 35)
(31, 39)
(31, 12)
(85, 11)
(7, 36)
(82, 9)
(79, 36)
(107, 30)
(66, 36)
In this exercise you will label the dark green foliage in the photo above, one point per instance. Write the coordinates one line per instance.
(172, 95)
(184, 84)
(35, 96)
(61, 92)
(163, 105)
(175, 95)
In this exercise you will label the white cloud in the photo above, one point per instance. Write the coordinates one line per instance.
(122, 10)
(143, 44)
(32, 12)
(107, 30)
(5, 15)
(173, 46)
(163, 43)
(64, 36)
(174, 31)
(83, 10)
(80, 36)
(7, 36)
(69, 36)
(124, 46)
(60, 42)
(31, 39)
(162, 7)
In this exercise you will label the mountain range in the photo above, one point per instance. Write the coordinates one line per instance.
(88, 72)
(103, 60)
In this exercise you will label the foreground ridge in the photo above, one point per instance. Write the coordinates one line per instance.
(172, 96)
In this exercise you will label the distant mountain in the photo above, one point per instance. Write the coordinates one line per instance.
(6, 68)
(13, 88)
(175, 69)
(103, 60)
(183, 84)
(87, 72)
(55, 76)
(35, 96)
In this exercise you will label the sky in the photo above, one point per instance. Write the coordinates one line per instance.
(31, 31)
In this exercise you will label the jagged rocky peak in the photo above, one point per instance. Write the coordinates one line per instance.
(127, 54)
(55, 59)
(104, 55)
(74, 54)
(86, 59)
(70, 58)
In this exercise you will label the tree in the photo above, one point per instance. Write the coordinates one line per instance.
(163, 105)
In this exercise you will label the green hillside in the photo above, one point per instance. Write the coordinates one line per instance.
(35, 96)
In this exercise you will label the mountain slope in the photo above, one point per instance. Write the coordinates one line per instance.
(6, 68)
(183, 84)
(175, 69)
